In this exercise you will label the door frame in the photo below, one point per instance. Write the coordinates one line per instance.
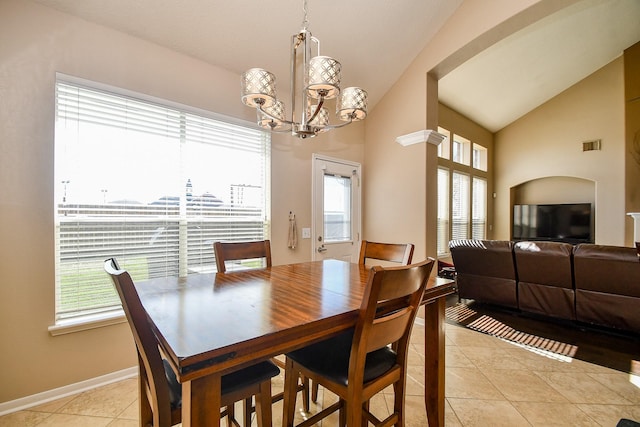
(315, 158)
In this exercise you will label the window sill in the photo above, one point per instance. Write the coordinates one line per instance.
(85, 323)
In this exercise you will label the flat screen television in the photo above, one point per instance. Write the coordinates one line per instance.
(569, 222)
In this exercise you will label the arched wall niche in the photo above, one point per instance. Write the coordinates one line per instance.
(554, 189)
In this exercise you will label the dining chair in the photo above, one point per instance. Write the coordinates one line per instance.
(400, 253)
(366, 359)
(237, 251)
(157, 380)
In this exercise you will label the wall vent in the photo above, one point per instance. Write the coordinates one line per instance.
(596, 144)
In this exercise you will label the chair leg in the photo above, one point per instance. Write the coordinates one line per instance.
(231, 415)
(145, 412)
(398, 400)
(290, 392)
(247, 408)
(305, 393)
(314, 392)
(365, 420)
(263, 406)
(342, 415)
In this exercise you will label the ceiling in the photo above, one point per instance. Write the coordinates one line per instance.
(376, 42)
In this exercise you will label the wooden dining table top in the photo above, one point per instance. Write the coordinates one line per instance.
(216, 323)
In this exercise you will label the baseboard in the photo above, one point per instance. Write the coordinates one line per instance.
(68, 390)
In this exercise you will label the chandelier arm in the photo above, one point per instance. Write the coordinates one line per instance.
(271, 116)
(341, 125)
(315, 113)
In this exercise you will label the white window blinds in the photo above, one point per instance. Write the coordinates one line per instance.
(443, 211)
(479, 209)
(460, 206)
(153, 185)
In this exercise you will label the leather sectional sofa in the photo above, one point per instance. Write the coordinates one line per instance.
(587, 283)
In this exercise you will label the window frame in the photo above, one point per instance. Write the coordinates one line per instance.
(465, 165)
(86, 319)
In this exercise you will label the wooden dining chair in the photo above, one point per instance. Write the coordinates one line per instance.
(157, 380)
(363, 361)
(400, 253)
(237, 251)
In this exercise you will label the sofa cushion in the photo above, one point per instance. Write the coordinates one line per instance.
(485, 271)
(545, 278)
(607, 280)
(608, 269)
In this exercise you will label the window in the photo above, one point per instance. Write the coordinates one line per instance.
(460, 206)
(337, 208)
(461, 148)
(479, 208)
(462, 190)
(479, 157)
(443, 211)
(150, 183)
(444, 148)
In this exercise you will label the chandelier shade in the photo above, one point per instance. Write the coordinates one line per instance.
(322, 119)
(323, 78)
(319, 77)
(273, 116)
(258, 87)
(352, 104)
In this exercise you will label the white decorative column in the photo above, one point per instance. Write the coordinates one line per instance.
(636, 225)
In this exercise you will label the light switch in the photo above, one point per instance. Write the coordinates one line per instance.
(306, 233)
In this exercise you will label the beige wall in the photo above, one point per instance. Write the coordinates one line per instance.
(547, 142)
(36, 43)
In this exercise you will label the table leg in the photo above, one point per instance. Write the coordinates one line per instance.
(434, 313)
(201, 402)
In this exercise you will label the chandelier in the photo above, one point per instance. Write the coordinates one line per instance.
(320, 82)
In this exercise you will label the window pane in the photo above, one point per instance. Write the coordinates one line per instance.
(443, 211)
(337, 208)
(460, 206)
(152, 185)
(444, 148)
(479, 226)
(479, 157)
(461, 150)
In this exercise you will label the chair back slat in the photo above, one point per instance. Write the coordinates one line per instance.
(146, 344)
(234, 251)
(389, 307)
(401, 253)
(388, 329)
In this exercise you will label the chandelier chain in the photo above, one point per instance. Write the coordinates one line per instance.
(305, 20)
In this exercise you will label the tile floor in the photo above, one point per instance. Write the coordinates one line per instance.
(489, 382)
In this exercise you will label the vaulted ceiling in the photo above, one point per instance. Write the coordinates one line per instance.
(376, 42)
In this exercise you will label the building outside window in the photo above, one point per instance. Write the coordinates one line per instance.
(462, 190)
(151, 183)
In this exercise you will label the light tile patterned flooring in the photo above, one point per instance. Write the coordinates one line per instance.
(489, 382)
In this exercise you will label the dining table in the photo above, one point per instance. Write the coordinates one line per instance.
(208, 325)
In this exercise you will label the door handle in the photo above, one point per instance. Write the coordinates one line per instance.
(321, 249)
